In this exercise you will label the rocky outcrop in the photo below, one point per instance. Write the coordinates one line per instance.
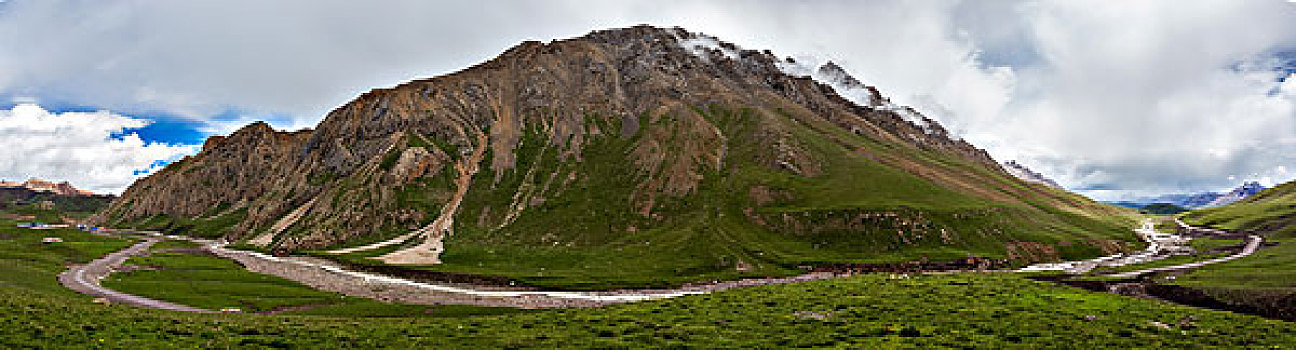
(1024, 173)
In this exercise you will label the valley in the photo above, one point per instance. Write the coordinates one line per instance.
(320, 274)
(648, 186)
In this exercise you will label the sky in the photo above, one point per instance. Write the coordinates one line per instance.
(1112, 99)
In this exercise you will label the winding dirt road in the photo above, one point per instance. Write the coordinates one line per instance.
(325, 275)
(1253, 243)
(85, 279)
(1160, 246)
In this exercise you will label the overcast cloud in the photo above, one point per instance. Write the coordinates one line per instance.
(1112, 98)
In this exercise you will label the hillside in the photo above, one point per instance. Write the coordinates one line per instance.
(1270, 212)
(1267, 279)
(635, 156)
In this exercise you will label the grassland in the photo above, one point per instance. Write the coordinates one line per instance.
(1271, 212)
(985, 311)
(1266, 279)
(875, 311)
(1206, 244)
(194, 278)
(27, 263)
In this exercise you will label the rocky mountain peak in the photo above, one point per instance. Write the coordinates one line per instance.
(838, 75)
(1247, 189)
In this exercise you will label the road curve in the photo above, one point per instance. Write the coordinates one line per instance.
(1253, 243)
(85, 279)
(327, 276)
(1160, 246)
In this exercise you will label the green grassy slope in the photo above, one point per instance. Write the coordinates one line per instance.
(1271, 212)
(859, 209)
(1271, 271)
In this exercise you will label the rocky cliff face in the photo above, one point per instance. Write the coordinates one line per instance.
(1024, 173)
(613, 133)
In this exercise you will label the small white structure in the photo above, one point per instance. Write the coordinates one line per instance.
(232, 310)
(51, 240)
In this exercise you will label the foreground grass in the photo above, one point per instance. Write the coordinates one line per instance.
(1269, 268)
(987, 311)
(27, 263)
(203, 280)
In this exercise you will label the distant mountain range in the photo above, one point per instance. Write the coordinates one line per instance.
(1199, 200)
(38, 185)
(1024, 173)
(41, 195)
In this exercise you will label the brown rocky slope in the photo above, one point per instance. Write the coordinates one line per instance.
(582, 154)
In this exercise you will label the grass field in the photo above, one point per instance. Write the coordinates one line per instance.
(1205, 244)
(1269, 268)
(985, 311)
(207, 281)
(27, 263)
(975, 310)
(1267, 276)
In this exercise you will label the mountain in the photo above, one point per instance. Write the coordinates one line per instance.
(38, 185)
(1200, 200)
(44, 195)
(1246, 190)
(1195, 200)
(1024, 173)
(634, 156)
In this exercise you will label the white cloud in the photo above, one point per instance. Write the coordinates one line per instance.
(1150, 96)
(86, 149)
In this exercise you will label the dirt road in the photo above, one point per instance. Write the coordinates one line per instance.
(1253, 243)
(85, 279)
(1160, 246)
(325, 275)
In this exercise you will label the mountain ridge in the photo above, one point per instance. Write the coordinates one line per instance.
(34, 184)
(1202, 199)
(624, 136)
